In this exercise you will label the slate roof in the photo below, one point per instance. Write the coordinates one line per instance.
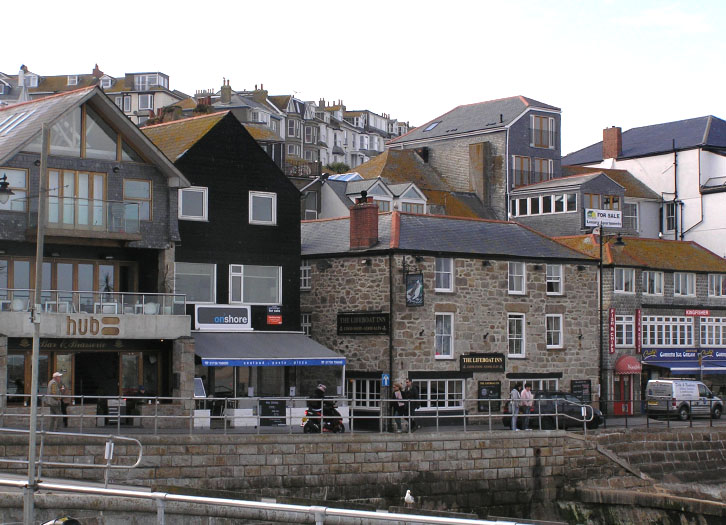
(558, 182)
(634, 188)
(656, 139)
(175, 138)
(262, 133)
(474, 117)
(438, 234)
(658, 254)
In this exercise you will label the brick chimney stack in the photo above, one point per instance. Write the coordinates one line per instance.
(612, 143)
(226, 92)
(363, 223)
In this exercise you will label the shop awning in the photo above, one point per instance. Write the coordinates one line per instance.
(262, 349)
(689, 367)
(627, 364)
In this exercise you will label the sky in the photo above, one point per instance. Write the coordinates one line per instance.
(608, 63)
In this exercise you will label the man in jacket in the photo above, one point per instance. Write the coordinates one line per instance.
(411, 394)
(514, 405)
(53, 400)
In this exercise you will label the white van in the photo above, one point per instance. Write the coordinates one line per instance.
(682, 398)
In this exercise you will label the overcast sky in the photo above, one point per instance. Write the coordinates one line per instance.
(622, 63)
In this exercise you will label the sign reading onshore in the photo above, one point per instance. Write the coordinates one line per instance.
(482, 363)
(363, 323)
(697, 313)
(607, 218)
(222, 318)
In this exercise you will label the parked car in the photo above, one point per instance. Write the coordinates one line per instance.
(681, 398)
(555, 409)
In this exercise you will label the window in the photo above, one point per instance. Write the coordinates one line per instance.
(653, 283)
(101, 139)
(667, 331)
(293, 149)
(263, 208)
(432, 126)
(365, 393)
(444, 275)
(553, 326)
(311, 205)
(554, 279)
(548, 384)
(522, 168)
(197, 280)
(31, 80)
(106, 82)
(255, 284)
(444, 344)
(144, 82)
(684, 283)
(713, 331)
(193, 204)
(670, 215)
(624, 280)
(611, 202)
(542, 170)
(625, 330)
(547, 204)
(716, 285)
(412, 207)
(305, 274)
(72, 80)
(119, 101)
(18, 183)
(571, 201)
(293, 128)
(306, 323)
(592, 201)
(139, 191)
(516, 278)
(440, 393)
(146, 101)
(515, 334)
(127, 103)
(309, 154)
(543, 132)
(630, 216)
(308, 134)
(383, 205)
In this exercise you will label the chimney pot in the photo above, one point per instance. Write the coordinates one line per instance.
(612, 143)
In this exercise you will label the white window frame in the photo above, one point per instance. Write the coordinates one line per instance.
(106, 82)
(237, 271)
(452, 397)
(306, 323)
(513, 274)
(554, 330)
(541, 383)
(371, 390)
(263, 195)
(667, 331)
(670, 216)
(681, 280)
(625, 331)
(716, 285)
(147, 97)
(555, 279)
(449, 335)
(713, 332)
(441, 271)
(521, 337)
(205, 206)
(305, 274)
(72, 80)
(657, 282)
(624, 286)
(633, 216)
(213, 283)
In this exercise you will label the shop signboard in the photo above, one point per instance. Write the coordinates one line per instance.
(693, 312)
(638, 331)
(482, 362)
(222, 318)
(489, 390)
(272, 412)
(582, 389)
(363, 323)
(611, 331)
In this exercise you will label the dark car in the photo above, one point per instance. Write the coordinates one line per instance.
(555, 409)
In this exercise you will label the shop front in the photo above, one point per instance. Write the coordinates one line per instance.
(705, 364)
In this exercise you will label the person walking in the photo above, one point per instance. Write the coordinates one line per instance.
(410, 394)
(514, 405)
(53, 400)
(398, 407)
(527, 404)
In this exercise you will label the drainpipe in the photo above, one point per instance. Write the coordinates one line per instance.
(675, 189)
(390, 327)
(506, 175)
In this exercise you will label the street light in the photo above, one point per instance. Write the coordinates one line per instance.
(5, 191)
(603, 389)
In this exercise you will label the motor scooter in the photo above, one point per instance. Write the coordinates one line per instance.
(332, 419)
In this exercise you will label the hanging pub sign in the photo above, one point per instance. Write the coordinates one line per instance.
(363, 323)
(482, 363)
(489, 390)
(414, 289)
(274, 315)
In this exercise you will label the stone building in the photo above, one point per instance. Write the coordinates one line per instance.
(664, 314)
(457, 305)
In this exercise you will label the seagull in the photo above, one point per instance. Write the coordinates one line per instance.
(408, 498)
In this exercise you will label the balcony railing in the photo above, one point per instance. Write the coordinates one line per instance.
(93, 215)
(92, 302)
(302, 168)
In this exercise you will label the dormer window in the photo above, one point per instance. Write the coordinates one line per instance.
(31, 80)
(106, 82)
(432, 126)
(72, 80)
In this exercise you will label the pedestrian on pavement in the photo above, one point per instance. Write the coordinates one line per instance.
(53, 400)
(399, 407)
(410, 394)
(527, 404)
(514, 405)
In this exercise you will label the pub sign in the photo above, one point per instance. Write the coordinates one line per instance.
(363, 323)
(482, 362)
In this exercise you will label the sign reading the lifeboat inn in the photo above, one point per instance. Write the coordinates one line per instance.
(482, 363)
(363, 323)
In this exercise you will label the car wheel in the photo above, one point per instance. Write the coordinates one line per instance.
(683, 413)
(716, 412)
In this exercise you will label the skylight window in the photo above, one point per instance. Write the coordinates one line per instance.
(432, 126)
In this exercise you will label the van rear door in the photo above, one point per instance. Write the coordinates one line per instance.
(659, 394)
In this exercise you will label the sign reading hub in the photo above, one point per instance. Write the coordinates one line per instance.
(223, 318)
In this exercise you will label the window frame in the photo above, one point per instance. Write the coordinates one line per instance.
(646, 282)
(511, 275)
(72, 80)
(557, 328)
(18, 190)
(306, 323)
(662, 331)
(690, 282)
(443, 272)
(263, 195)
(450, 335)
(150, 98)
(453, 398)
(670, 213)
(138, 200)
(559, 280)
(241, 274)
(623, 289)
(213, 283)
(521, 338)
(305, 274)
(370, 387)
(713, 332)
(716, 285)
(625, 331)
(630, 216)
(204, 217)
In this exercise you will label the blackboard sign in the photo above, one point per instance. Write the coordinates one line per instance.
(272, 412)
(489, 390)
(583, 389)
(363, 323)
(482, 363)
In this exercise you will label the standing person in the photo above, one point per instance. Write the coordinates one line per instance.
(411, 396)
(53, 400)
(398, 407)
(514, 405)
(527, 403)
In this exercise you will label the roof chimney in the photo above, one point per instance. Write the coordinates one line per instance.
(612, 143)
(363, 223)
(226, 93)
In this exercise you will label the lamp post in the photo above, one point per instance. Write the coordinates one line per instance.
(5, 191)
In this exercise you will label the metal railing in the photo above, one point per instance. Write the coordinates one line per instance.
(658, 411)
(85, 214)
(92, 302)
(302, 168)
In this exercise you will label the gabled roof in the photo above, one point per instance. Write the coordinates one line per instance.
(175, 138)
(634, 188)
(657, 254)
(706, 132)
(30, 116)
(569, 181)
(438, 234)
(491, 115)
